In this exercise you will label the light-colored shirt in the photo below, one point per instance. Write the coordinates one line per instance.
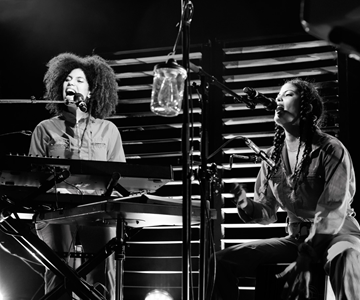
(62, 137)
(324, 196)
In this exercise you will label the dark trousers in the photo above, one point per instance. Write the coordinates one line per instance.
(242, 261)
(342, 264)
(62, 239)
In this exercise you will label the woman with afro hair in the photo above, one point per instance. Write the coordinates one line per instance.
(313, 181)
(84, 92)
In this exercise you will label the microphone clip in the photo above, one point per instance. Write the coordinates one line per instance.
(248, 158)
(255, 97)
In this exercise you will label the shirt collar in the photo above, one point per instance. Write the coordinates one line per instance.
(318, 139)
(71, 118)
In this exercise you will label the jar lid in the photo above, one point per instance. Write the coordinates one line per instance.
(170, 64)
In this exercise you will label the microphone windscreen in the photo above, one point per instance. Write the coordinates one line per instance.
(78, 97)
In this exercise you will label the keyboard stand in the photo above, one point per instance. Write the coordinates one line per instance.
(72, 278)
(72, 281)
(116, 245)
(112, 213)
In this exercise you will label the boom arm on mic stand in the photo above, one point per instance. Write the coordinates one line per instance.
(215, 82)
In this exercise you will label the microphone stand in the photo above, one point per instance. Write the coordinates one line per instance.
(186, 175)
(223, 87)
(204, 188)
(204, 172)
(32, 101)
(186, 16)
(24, 132)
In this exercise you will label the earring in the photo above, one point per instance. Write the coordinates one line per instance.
(315, 118)
(309, 108)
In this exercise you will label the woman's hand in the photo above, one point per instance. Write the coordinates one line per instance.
(298, 276)
(240, 196)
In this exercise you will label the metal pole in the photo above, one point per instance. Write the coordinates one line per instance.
(186, 175)
(204, 187)
(119, 258)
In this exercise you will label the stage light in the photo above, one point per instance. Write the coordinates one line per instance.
(168, 89)
(158, 295)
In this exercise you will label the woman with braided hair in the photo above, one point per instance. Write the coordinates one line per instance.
(84, 90)
(314, 182)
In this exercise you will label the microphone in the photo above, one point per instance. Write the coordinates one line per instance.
(251, 158)
(254, 95)
(259, 152)
(80, 102)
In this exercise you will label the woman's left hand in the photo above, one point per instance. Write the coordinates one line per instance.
(298, 276)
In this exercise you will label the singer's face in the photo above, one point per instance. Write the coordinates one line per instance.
(288, 110)
(75, 82)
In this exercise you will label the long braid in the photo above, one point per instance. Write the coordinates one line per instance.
(278, 143)
(307, 128)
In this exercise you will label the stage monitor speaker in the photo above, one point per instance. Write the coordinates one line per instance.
(335, 21)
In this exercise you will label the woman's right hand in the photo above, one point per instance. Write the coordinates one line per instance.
(240, 196)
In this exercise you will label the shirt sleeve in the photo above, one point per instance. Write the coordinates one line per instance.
(115, 150)
(263, 208)
(335, 200)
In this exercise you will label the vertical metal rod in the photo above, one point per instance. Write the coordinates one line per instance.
(204, 187)
(119, 259)
(186, 175)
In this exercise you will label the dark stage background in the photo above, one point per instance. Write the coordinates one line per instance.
(33, 31)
